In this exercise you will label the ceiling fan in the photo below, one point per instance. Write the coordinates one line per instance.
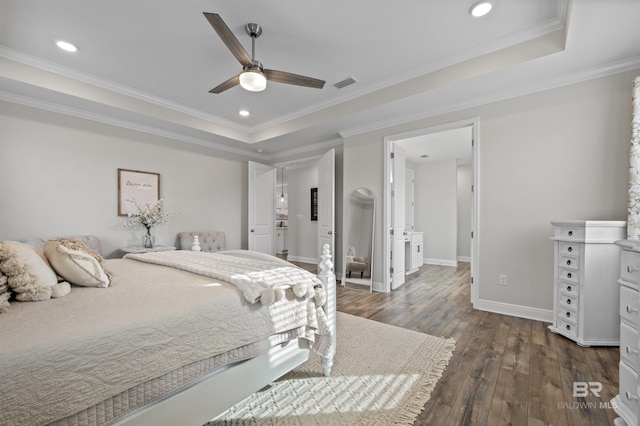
(253, 76)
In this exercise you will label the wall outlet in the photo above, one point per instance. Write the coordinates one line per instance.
(502, 279)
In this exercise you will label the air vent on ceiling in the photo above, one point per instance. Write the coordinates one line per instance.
(344, 83)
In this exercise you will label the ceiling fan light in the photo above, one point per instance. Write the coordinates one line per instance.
(253, 81)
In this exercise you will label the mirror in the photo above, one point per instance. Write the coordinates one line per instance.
(359, 247)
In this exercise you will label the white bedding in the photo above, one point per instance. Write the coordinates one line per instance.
(60, 356)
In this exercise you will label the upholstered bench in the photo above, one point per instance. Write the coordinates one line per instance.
(90, 241)
(209, 240)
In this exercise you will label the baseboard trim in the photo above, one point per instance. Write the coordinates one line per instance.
(464, 259)
(443, 262)
(520, 311)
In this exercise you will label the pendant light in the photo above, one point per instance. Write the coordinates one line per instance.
(282, 185)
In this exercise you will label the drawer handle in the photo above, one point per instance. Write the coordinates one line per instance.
(631, 269)
(569, 302)
(630, 351)
(569, 249)
(568, 314)
(569, 275)
(568, 288)
(568, 328)
(570, 233)
(568, 263)
(631, 310)
(630, 396)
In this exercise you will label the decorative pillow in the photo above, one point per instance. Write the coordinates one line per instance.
(35, 263)
(76, 263)
(28, 274)
(5, 294)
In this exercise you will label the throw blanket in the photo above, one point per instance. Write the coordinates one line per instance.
(259, 280)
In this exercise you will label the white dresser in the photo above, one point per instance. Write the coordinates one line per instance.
(586, 267)
(626, 402)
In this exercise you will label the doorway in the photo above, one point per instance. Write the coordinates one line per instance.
(435, 158)
(269, 184)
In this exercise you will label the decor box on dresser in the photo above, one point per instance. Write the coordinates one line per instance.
(626, 402)
(586, 296)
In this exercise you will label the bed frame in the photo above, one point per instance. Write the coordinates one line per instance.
(221, 389)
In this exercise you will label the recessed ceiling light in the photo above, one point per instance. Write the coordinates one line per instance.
(66, 46)
(244, 113)
(480, 9)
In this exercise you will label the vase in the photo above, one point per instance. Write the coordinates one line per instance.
(148, 240)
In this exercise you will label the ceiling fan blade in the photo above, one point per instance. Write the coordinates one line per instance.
(233, 81)
(295, 79)
(228, 38)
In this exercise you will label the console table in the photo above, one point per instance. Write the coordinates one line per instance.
(141, 249)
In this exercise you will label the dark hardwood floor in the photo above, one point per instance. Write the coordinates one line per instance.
(505, 370)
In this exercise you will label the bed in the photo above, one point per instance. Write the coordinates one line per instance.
(168, 342)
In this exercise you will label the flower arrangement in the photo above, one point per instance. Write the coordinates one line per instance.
(147, 216)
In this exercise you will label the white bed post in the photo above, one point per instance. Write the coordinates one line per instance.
(328, 278)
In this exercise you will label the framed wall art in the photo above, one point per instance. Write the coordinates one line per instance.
(143, 187)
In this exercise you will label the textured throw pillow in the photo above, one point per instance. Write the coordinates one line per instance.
(76, 263)
(28, 274)
(34, 262)
(5, 294)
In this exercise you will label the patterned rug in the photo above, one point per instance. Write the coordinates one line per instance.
(382, 375)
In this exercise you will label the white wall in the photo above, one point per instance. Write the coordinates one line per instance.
(303, 232)
(435, 210)
(553, 155)
(464, 203)
(58, 176)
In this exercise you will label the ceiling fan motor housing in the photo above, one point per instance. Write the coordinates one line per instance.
(254, 30)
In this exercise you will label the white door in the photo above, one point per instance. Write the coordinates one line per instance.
(262, 183)
(326, 202)
(398, 217)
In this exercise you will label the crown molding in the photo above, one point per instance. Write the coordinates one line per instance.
(548, 27)
(125, 124)
(255, 134)
(33, 61)
(539, 86)
(332, 143)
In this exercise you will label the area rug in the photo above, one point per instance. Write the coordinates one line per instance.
(382, 375)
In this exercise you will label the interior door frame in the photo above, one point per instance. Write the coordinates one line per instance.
(315, 161)
(475, 203)
(254, 204)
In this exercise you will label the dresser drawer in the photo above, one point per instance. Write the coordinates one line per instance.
(569, 232)
(568, 301)
(569, 275)
(629, 266)
(570, 329)
(567, 248)
(569, 288)
(629, 388)
(568, 315)
(568, 262)
(629, 346)
(629, 305)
